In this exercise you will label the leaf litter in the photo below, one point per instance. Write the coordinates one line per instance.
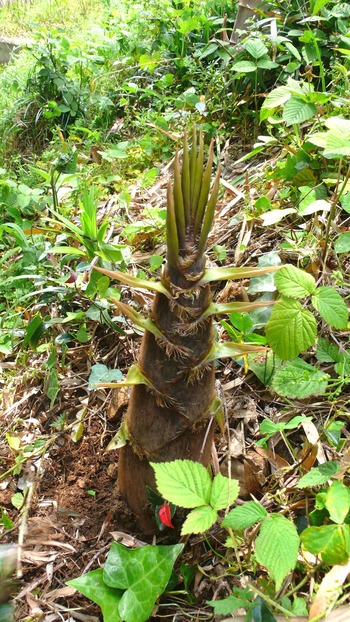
(73, 512)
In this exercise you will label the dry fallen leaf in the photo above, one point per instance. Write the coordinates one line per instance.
(329, 590)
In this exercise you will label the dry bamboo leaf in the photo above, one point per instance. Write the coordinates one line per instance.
(330, 589)
(313, 437)
(276, 461)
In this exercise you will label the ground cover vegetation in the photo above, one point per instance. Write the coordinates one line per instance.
(116, 229)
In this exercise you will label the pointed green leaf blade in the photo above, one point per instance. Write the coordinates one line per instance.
(227, 273)
(291, 329)
(133, 281)
(294, 283)
(277, 546)
(224, 492)
(183, 482)
(331, 307)
(296, 110)
(93, 586)
(143, 573)
(245, 515)
(199, 520)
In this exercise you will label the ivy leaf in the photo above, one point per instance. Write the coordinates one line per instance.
(298, 379)
(277, 546)
(142, 574)
(319, 475)
(93, 586)
(331, 307)
(294, 283)
(183, 482)
(245, 515)
(332, 541)
(199, 520)
(296, 110)
(224, 492)
(291, 329)
(100, 373)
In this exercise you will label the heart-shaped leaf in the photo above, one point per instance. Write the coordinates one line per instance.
(142, 574)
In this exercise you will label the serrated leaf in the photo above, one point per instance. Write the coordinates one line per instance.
(93, 586)
(331, 307)
(142, 573)
(256, 48)
(245, 515)
(332, 541)
(296, 110)
(338, 502)
(327, 352)
(294, 283)
(100, 373)
(291, 329)
(342, 243)
(339, 126)
(298, 379)
(239, 598)
(183, 482)
(199, 520)
(224, 492)
(277, 97)
(276, 547)
(319, 475)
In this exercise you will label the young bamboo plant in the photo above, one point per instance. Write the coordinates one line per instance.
(173, 403)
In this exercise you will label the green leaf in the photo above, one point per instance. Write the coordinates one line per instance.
(93, 586)
(291, 329)
(331, 307)
(338, 502)
(277, 97)
(298, 379)
(276, 546)
(244, 66)
(342, 243)
(67, 250)
(245, 515)
(142, 573)
(332, 541)
(261, 612)
(268, 427)
(224, 274)
(319, 475)
(239, 598)
(224, 492)
(17, 500)
(34, 331)
(183, 482)
(100, 373)
(327, 352)
(296, 110)
(256, 48)
(266, 281)
(294, 283)
(199, 520)
(53, 387)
